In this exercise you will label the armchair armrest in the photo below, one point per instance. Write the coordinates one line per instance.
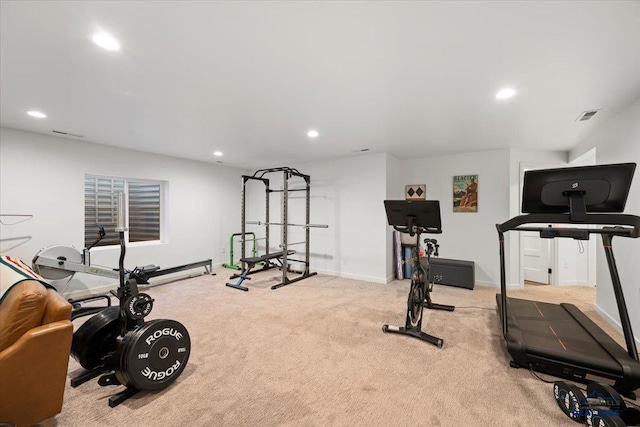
(33, 373)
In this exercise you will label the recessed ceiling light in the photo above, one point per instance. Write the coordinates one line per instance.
(313, 133)
(217, 153)
(37, 114)
(106, 41)
(505, 93)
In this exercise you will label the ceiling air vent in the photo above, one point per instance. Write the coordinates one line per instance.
(586, 115)
(59, 132)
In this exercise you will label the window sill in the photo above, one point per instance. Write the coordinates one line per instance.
(129, 245)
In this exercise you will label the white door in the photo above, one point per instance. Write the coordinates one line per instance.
(536, 254)
(536, 257)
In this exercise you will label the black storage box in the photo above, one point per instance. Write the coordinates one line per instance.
(452, 272)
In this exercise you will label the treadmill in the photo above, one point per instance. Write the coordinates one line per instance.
(560, 340)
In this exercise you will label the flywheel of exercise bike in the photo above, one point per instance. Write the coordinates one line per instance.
(415, 301)
(61, 252)
(96, 337)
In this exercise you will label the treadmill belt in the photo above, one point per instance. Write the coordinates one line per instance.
(550, 331)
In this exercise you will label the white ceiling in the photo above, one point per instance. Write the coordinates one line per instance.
(250, 78)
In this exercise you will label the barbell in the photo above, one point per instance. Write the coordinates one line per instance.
(289, 225)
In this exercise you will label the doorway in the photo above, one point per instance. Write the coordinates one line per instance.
(560, 262)
(537, 256)
(537, 259)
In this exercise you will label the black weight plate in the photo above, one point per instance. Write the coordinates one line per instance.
(138, 306)
(153, 356)
(604, 418)
(95, 338)
(631, 416)
(608, 394)
(414, 303)
(570, 399)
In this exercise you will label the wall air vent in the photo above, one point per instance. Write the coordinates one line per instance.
(586, 115)
(362, 150)
(59, 132)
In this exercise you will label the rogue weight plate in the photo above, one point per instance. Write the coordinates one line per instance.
(152, 356)
(138, 306)
(96, 338)
(570, 399)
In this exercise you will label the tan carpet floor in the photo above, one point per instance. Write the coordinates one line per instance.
(313, 354)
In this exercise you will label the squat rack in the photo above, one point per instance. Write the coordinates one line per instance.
(283, 256)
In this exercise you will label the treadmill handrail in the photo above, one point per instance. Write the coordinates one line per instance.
(607, 232)
(592, 219)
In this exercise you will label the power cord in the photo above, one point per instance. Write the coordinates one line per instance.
(532, 372)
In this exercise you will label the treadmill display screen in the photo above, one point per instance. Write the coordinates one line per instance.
(601, 188)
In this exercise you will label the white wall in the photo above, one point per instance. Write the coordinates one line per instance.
(618, 141)
(395, 191)
(468, 236)
(44, 176)
(586, 261)
(572, 262)
(347, 194)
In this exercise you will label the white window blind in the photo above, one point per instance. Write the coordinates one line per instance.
(101, 209)
(144, 211)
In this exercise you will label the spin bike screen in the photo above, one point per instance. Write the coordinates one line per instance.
(422, 213)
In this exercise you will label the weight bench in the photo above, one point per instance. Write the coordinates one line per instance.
(252, 262)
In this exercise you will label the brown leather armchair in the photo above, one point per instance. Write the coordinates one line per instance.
(35, 340)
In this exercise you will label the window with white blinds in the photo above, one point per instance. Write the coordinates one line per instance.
(101, 209)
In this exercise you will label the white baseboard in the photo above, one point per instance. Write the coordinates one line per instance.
(485, 284)
(382, 281)
(574, 283)
(610, 320)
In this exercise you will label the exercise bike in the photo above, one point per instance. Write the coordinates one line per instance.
(117, 345)
(416, 218)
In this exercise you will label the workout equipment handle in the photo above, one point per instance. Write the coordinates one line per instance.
(122, 213)
(122, 320)
(417, 230)
(101, 234)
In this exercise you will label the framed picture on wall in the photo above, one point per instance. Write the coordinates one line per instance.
(415, 192)
(465, 193)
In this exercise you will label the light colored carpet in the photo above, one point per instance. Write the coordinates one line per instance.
(313, 354)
